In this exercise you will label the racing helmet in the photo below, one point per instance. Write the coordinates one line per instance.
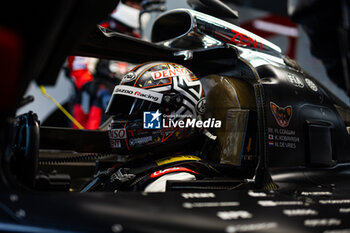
(154, 109)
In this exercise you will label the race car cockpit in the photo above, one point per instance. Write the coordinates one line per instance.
(281, 147)
(275, 117)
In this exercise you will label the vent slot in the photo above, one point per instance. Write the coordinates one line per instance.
(171, 25)
(319, 146)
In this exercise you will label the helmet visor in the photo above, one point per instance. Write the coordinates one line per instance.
(130, 102)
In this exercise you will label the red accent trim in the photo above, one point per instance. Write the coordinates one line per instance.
(222, 36)
(115, 165)
(94, 120)
(105, 25)
(233, 39)
(70, 61)
(164, 139)
(163, 84)
(126, 143)
(126, 139)
(10, 66)
(79, 115)
(138, 66)
(171, 170)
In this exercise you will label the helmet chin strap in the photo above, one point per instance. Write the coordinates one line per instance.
(129, 16)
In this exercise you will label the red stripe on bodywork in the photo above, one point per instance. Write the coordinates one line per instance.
(171, 170)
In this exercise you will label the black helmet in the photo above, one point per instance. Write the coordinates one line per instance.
(155, 108)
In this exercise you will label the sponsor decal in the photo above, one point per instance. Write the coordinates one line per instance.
(295, 80)
(281, 114)
(201, 106)
(230, 215)
(138, 93)
(344, 210)
(334, 202)
(190, 205)
(300, 212)
(338, 231)
(168, 160)
(169, 73)
(311, 84)
(115, 143)
(251, 227)
(140, 141)
(131, 76)
(269, 203)
(244, 40)
(197, 195)
(322, 222)
(256, 194)
(152, 120)
(117, 133)
(316, 193)
(170, 170)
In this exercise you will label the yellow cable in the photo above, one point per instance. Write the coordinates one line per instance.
(65, 112)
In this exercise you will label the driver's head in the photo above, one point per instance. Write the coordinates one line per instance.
(150, 99)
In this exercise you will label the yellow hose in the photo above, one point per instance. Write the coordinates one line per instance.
(60, 107)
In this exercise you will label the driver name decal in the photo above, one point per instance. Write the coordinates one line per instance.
(282, 138)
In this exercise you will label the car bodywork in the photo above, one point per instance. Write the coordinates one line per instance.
(291, 133)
